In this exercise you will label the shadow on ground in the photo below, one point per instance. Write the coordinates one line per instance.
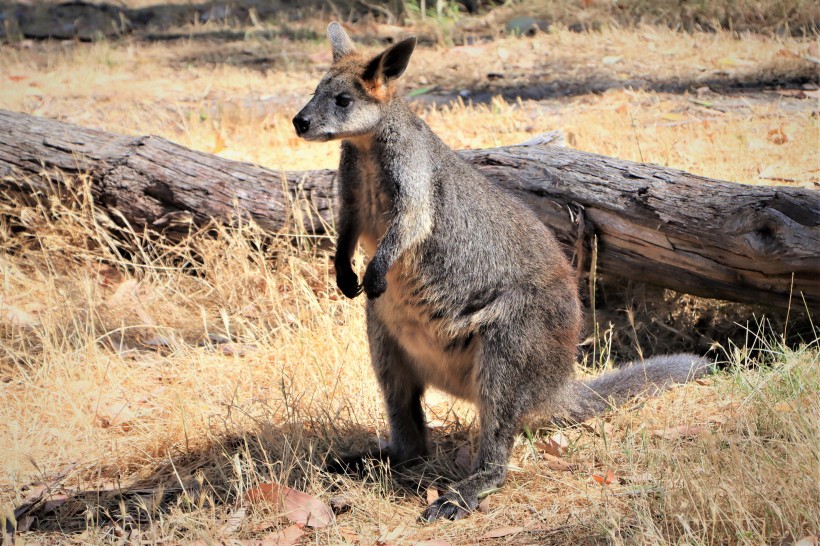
(206, 479)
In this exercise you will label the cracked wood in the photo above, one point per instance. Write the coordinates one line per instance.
(661, 226)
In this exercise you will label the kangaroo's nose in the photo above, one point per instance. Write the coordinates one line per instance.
(302, 124)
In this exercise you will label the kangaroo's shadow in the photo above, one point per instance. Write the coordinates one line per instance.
(216, 475)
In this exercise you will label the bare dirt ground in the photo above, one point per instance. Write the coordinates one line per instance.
(244, 366)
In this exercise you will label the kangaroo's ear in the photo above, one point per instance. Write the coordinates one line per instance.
(340, 42)
(390, 63)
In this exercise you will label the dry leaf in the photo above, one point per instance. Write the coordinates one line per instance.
(18, 317)
(286, 537)
(607, 479)
(297, 506)
(235, 520)
(237, 349)
(349, 535)
(432, 543)
(116, 414)
(108, 276)
(598, 426)
(126, 293)
(778, 136)
(432, 494)
(556, 445)
(388, 538)
(680, 431)
(484, 505)
(502, 532)
(808, 541)
(557, 463)
(340, 504)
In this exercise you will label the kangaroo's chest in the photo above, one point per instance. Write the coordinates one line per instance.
(375, 203)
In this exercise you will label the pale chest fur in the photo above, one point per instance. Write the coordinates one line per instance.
(374, 203)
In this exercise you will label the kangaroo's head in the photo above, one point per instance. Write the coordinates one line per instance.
(350, 98)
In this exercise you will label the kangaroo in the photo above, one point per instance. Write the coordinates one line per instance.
(467, 290)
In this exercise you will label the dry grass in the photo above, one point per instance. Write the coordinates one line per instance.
(104, 360)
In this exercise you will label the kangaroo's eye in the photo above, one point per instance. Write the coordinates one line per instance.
(343, 101)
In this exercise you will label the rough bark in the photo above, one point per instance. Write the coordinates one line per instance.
(652, 224)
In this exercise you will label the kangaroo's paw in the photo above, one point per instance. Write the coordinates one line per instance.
(348, 283)
(452, 505)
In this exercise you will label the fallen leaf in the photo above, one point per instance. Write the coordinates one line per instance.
(349, 535)
(778, 136)
(680, 431)
(387, 536)
(557, 463)
(432, 494)
(607, 479)
(158, 341)
(18, 317)
(127, 294)
(644, 477)
(502, 532)
(108, 276)
(785, 407)
(340, 504)
(432, 543)
(297, 506)
(612, 59)
(484, 505)
(598, 426)
(808, 541)
(556, 445)
(622, 109)
(235, 520)
(116, 414)
(240, 349)
(285, 537)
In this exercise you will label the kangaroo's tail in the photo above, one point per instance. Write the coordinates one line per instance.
(585, 399)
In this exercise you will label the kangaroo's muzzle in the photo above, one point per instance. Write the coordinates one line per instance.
(302, 124)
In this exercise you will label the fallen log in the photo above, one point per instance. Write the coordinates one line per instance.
(661, 226)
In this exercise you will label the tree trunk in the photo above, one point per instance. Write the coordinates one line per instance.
(661, 226)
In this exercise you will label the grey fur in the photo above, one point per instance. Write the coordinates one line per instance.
(340, 43)
(467, 290)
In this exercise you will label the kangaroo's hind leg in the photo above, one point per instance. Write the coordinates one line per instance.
(509, 389)
(402, 391)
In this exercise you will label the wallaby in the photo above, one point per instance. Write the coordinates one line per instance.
(467, 290)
